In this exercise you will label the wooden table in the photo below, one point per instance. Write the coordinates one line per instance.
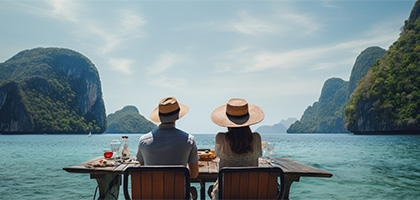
(109, 178)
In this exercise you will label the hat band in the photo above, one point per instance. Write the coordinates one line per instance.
(238, 119)
(237, 116)
(170, 113)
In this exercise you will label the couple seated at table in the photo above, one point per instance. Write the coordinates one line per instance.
(167, 145)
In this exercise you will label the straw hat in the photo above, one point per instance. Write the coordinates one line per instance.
(237, 113)
(168, 110)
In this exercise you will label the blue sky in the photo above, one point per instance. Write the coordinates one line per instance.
(275, 54)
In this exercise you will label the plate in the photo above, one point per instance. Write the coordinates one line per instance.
(102, 163)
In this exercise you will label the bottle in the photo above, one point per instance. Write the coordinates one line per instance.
(125, 151)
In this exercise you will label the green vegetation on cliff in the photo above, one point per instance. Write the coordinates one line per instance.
(324, 116)
(59, 89)
(388, 98)
(327, 115)
(128, 120)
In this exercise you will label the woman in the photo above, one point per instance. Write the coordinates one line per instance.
(239, 147)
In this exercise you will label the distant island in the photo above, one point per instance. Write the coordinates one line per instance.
(50, 90)
(280, 127)
(128, 120)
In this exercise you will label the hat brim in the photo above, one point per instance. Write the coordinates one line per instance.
(254, 116)
(155, 117)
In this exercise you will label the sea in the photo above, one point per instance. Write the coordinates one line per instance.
(363, 166)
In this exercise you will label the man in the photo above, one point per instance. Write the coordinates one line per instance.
(168, 145)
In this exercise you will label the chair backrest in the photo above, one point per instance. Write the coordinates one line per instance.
(158, 182)
(251, 183)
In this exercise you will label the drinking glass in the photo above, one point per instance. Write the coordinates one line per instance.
(270, 148)
(108, 154)
(264, 147)
(115, 146)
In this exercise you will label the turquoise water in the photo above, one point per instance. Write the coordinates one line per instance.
(364, 167)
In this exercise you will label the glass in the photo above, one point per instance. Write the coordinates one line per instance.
(264, 147)
(115, 147)
(108, 154)
(270, 148)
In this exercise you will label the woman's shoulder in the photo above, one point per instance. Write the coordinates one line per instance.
(256, 134)
(221, 135)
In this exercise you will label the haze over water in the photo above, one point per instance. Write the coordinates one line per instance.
(363, 167)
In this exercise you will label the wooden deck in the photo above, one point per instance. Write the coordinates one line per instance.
(109, 178)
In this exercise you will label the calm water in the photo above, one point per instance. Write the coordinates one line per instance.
(364, 167)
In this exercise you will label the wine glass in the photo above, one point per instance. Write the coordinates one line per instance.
(115, 146)
(108, 154)
(264, 147)
(270, 148)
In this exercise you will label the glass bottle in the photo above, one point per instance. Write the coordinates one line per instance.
(125, 151)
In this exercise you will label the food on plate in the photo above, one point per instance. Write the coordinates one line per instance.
(101, 163)
(206, 155)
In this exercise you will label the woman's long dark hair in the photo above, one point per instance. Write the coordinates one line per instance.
(240, 139)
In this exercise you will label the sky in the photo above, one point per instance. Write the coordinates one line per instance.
(275, 54)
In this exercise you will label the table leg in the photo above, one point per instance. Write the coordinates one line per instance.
(109, 185)
(202, 190)
(289, 180)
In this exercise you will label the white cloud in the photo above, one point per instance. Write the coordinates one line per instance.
(332, 65)
(168, 82)
(282, 22)
(329, 4)
(166, 60)
(91, 29)
(253, 60)
(131, 20)
(222, 67)
(64, 9)
(121, 65)
(248, 24)
(297, 23)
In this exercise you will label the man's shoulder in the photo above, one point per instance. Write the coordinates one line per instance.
(183, 134)
(146, 136)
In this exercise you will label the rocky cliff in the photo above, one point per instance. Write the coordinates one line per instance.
(362, 65)
(323, 116)
(13, 113)
(387, 100)
(327, 114)
(50, 90)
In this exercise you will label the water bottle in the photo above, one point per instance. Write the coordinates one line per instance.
(125, 151)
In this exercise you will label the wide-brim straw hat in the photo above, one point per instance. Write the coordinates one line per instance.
(237, 113)
(168, 110)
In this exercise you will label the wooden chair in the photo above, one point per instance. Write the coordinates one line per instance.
(158, 182)
(251, 183)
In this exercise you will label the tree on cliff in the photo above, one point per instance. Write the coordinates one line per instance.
(388, 98)
(50, 90)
